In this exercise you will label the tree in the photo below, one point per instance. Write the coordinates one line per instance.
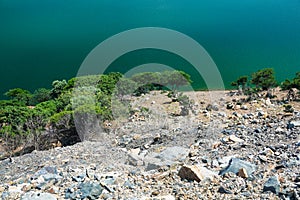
(124, 87)
(241, 82)
(147, 81)
(177, 78)
(83, 81)
(12, 125)
(40, 95)
(289, 84)
(264, 79)
(20, 95)
(297, 81)
(58, 87)
(145, 78)
(38, 119)
(292, 85)
(108, 82)
(286, 84)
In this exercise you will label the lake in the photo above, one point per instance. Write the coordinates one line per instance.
(41, 41)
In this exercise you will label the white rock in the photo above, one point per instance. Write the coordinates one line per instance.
(268, 102)
(279, 130)
(38, 196)
(225, 160)
(244, 107)
(295, 123)
(237, 107)
(235, 139)
(15, 189)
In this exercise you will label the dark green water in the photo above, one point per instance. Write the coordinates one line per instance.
(41, 41)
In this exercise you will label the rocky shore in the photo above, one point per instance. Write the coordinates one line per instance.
(226, 148)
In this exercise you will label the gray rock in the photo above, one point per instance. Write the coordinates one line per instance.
(260, 114)
(222, 114)
(174, 154)
(45, 171)
(211, 107)
(257, 130)
(205, 159)
(227, 132)
(169, 156)
(129, 185)
(272, 185)
(79, 178)
(38, 196)
(46, 177)
(5, 195)
(293, 124)
(245, 116)
(84, 190)
(223, 190)
(236, 164)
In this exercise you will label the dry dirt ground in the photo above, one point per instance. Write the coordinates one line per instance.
(201, 99)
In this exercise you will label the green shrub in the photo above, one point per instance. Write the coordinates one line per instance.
(264, 79)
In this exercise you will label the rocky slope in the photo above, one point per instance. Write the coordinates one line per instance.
(224, 149)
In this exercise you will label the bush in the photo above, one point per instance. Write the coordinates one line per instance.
(241, 82)
(12, 126)
(289, 84)
(264, 79)
(40, 95)
(20, 95)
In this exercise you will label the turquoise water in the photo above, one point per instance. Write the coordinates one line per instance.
(41, 41)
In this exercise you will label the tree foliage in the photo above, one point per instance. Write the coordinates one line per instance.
(177, 78)
(40, 95)
(264, 79)
(107, 82)
(58, 87)
(124, 87)
(289, 84)
(20, 95)
(241, 83)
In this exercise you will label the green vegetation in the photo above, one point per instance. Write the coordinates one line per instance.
(25, 117)
(241, 82)
(289, 84)
(20, 95)
(264, 79)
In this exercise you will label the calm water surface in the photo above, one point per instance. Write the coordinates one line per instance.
(41, 41)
